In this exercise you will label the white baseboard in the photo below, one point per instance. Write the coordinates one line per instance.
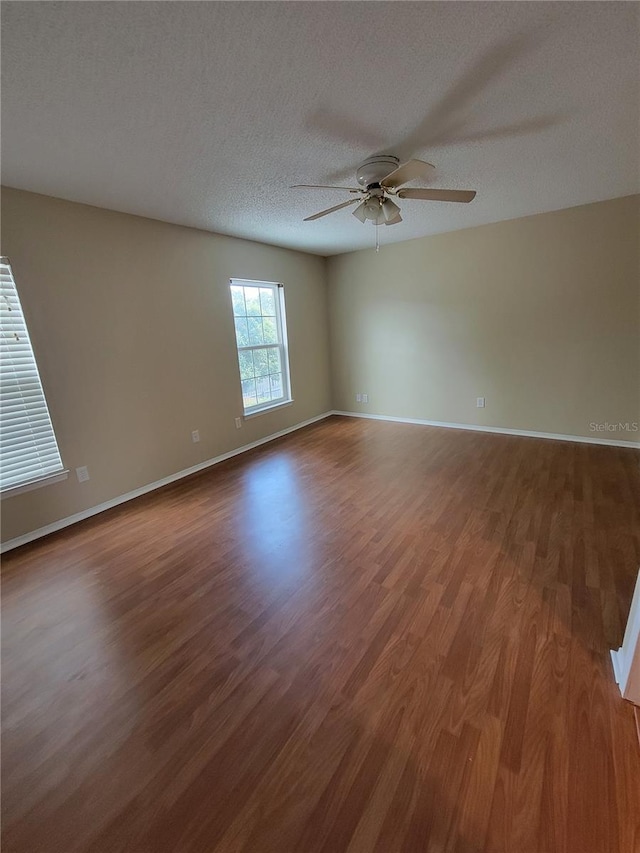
(136, 493)
(87, 513)
(501, 430)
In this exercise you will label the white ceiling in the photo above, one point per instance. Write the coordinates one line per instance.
(204, 113)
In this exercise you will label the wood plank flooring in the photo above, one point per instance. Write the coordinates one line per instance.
(362, 637)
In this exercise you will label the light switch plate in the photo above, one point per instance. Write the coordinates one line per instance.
(82, 474)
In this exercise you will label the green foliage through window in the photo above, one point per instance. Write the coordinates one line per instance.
(259, 336)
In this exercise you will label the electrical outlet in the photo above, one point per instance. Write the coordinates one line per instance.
(238, 423)
(358, 398)
(82, 474)
(365, 398)
(480, 402)
(195, 436)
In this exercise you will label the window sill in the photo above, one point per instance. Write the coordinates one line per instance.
(266, 409)
(19, 488)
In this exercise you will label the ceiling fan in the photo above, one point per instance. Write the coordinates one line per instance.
(380, 178)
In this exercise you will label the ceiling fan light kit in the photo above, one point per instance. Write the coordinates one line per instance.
(379, 178)
(378, 210)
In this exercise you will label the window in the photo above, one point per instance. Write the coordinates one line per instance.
(28, 448)
(261, 336)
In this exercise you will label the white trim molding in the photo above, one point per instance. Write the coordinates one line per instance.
(48, 480)
(626, 660)
(583, 439)
(266, 409)
(95, 510)
(136, 493)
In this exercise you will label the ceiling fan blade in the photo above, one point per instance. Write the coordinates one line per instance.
(464, 196)
(323, 187)
(408, 171)
(331, 209)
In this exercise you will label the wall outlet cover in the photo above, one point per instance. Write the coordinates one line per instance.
(480, 402)
(365, 398)
(358, 398)
(82, 474)
(195, 436)
(238, 423)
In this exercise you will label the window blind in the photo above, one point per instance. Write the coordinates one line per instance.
(28, 446)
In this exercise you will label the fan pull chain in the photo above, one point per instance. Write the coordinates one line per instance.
(377, 238)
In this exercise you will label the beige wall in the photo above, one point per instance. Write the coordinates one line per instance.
(131, 323)
(132, 327)
(539, 315)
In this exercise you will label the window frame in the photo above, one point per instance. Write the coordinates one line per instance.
(282, 346)
(59, 472)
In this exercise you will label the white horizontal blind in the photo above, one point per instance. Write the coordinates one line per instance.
(28, 447)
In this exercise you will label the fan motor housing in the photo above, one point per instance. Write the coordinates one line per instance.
(374, 169)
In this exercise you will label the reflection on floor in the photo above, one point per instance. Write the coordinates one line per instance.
(364, 636)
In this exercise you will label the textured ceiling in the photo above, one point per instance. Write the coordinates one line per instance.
(204, 113)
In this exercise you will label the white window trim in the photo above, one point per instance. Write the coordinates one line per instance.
(58, 477)
(283, 347)
(265, 409)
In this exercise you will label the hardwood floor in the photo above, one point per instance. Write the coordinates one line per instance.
(362, 637)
